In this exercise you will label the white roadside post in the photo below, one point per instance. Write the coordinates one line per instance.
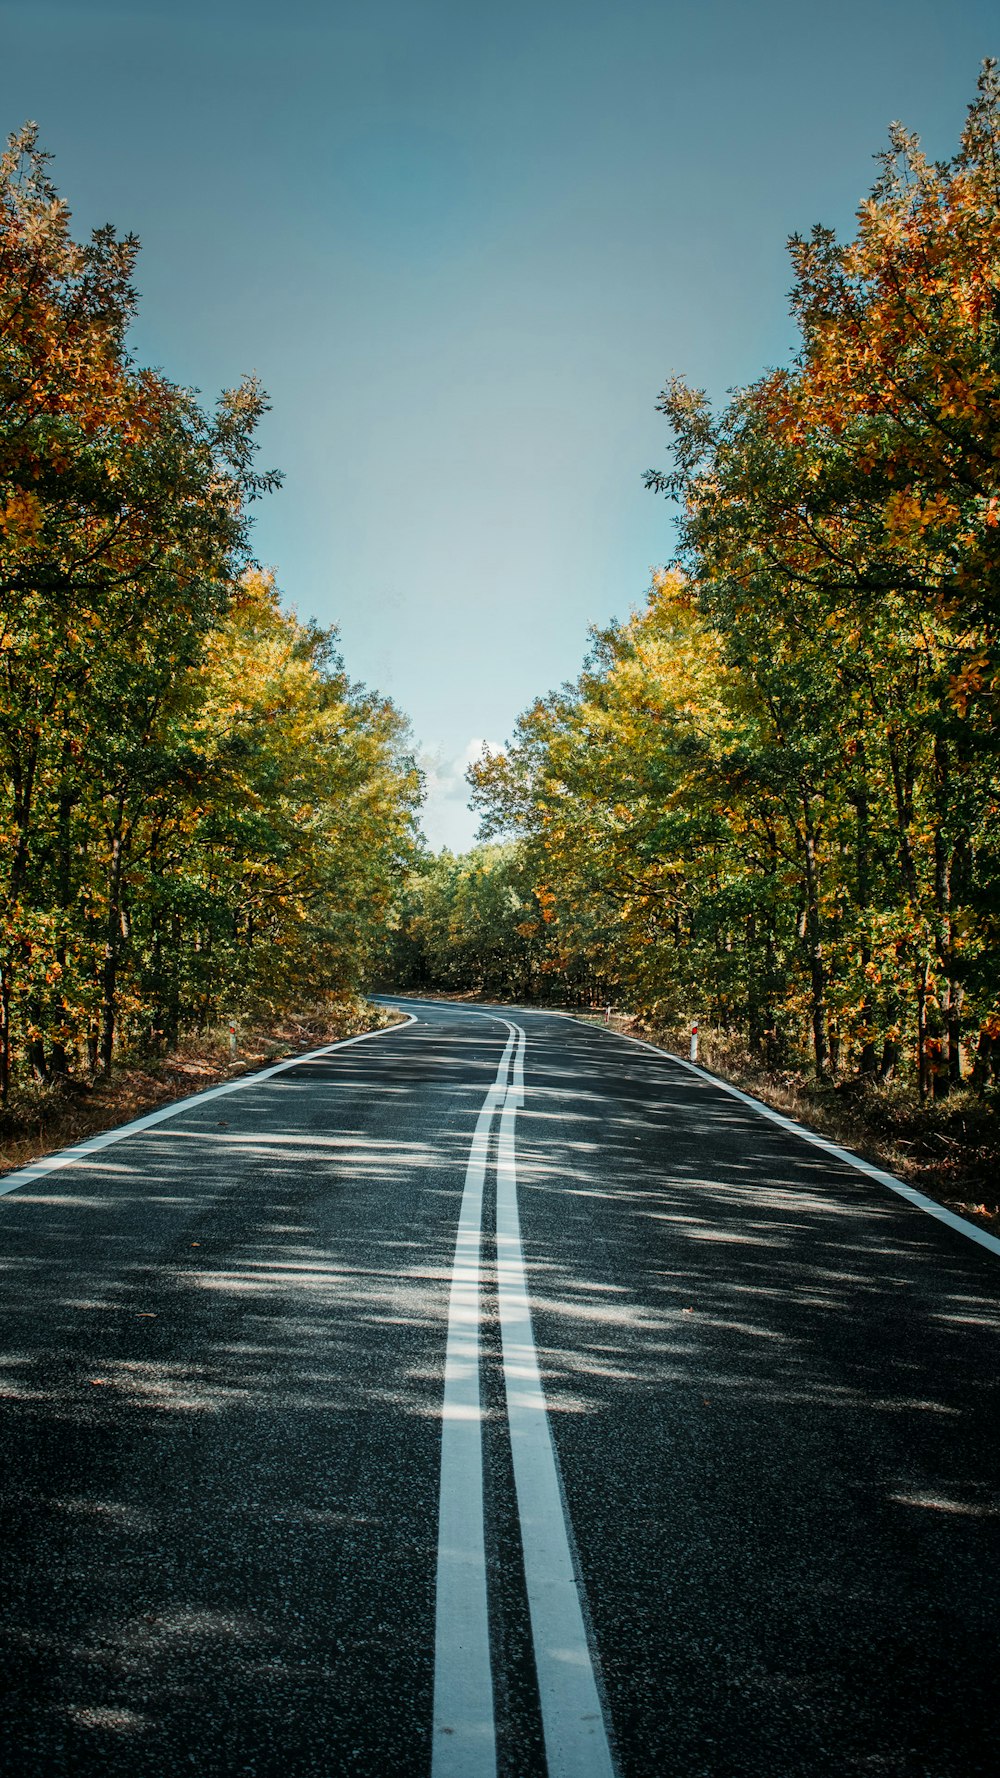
(232, 1037)
(694, 1041)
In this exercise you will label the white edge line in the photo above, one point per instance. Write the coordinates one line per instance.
(918, 1199)
(66, 1157)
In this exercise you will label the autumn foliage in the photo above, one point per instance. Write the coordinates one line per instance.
(772, 797)
(198, 811)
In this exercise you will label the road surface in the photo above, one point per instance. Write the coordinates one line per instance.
(295, 1486)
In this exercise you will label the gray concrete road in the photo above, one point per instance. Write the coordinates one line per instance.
(753, 1530)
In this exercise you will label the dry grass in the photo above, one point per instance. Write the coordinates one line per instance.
(39, 1119)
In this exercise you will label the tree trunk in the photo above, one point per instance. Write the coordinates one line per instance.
(924, 1072)
(172, 1012)
(904, 779)
(5, 1037)
(22, 777)
(112, 942)
(944, 860)
(814, 943)
(956, 1003)
(869, 1060)
(58, 1059)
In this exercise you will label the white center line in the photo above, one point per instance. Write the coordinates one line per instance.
(464, 1734)
(576, 1738)
(573, 1723)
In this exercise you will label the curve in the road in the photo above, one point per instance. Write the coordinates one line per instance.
(769, 1383)
(573, 1721)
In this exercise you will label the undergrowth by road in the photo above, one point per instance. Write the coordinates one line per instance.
(41, 1117)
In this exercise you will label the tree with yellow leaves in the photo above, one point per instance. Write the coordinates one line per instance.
(774, 791)
(197, 808)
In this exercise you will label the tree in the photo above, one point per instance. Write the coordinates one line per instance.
(840, 520)
(195, 803)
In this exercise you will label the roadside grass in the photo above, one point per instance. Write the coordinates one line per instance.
(41, 1117)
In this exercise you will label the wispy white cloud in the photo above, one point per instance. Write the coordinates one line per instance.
(447, 819)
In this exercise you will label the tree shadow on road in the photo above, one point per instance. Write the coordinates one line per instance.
(774, 1393)
(220, 1373)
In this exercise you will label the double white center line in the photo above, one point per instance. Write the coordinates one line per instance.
(576, 1740)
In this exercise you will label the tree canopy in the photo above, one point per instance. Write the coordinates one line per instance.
(198, 810)
(772, 795)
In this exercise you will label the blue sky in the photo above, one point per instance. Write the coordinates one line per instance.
(463, 246)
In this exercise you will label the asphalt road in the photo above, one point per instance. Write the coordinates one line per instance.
(755, 1532)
